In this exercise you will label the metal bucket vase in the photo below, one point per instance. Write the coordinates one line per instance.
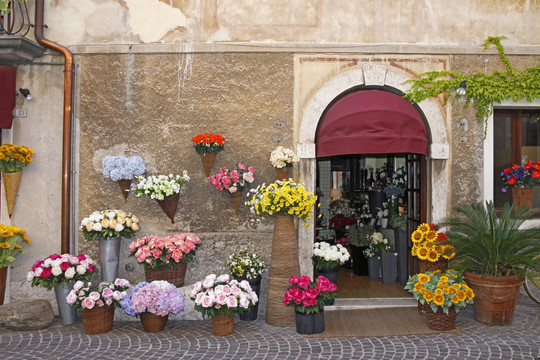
(310, 324)
(169, 206)
(11, 186)
(109, 254)
(124, 187)
(68, 315)
(284, 264)
(208, 162)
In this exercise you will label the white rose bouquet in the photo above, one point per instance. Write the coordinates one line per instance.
(109, 224)
(283, 157)
(377, 245)
(325, 254)
(159, 187)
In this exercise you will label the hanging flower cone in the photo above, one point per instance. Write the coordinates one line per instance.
(11, 185)
(169, 206)
(124, 186)
(208, 162)
(236, 199)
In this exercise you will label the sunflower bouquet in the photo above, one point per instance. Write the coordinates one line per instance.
(430, 244)
(282, 198)
(440, 289)
(14, 157)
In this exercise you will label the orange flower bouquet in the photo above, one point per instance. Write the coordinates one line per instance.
(208, 143)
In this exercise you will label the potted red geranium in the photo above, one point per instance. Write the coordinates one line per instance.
(308, 298)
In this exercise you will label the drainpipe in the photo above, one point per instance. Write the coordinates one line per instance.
(67, 124)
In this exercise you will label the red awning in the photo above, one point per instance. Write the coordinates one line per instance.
(371, 122)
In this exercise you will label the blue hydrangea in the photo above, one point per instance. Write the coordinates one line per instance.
(126, 300)
(122, 168)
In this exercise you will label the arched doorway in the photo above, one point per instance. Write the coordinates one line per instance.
(368, 142)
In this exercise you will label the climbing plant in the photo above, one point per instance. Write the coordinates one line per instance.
(5, 6)
(481, 89)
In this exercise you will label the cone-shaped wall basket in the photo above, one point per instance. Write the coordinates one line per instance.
(124, 186)
(11, 185)
(236, 199)
(169, 206)
(208, 162)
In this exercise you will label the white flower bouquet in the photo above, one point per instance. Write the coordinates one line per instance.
(122, 168)
(377, 245)
(325, 255)
(109, 224)
(61, 269)
(244, 264)
(85, 296)
(159, 187)
(283, 157)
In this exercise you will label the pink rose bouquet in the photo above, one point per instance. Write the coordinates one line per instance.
(221, 295)
(85, 296)
(159, 297)
(309, 296)
(154, 250)
(233, 180)
(61, 269)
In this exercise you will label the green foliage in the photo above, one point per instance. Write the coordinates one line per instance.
(493, 245)
(359, 235)
(4, 6)
(482, 89)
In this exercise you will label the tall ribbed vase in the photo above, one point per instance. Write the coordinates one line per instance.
(109, 254)
(68, 315)
(283, 264)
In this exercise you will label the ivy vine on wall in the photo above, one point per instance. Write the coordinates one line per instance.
(481, 89)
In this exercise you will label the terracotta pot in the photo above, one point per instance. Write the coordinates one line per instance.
(494, 298)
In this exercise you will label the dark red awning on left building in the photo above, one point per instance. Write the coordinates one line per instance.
(372, 122)
(8, 76)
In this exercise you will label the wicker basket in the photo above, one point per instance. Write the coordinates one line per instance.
(169, 206)
(426, 265)
(174, 274)
(124, 187)
(223, 324)
(441, 321)
(11, 186)
(208, 162)
(236, 199)
(153, 323)
(98, 320)
(424, 308)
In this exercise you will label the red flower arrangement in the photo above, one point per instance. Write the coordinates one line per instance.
(309, 296)
(208, 143)
(525, 176)
(340, 221)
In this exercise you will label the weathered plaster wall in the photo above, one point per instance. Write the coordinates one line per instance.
(297, 21)
(468, 133)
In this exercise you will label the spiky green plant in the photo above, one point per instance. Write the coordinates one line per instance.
(493, 245)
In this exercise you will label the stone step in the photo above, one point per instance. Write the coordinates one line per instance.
(370, 303)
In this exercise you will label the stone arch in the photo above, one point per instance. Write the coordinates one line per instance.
(370, 75)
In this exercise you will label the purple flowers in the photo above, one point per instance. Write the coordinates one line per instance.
(158, 297)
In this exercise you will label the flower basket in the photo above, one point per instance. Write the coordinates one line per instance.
(423, 308)
(441, 321)
(124, 187)
(153, 323)
(208, 162)
(169, 206)
(11, 186)
(236, 199)
(426, 265)
(98, 320)
(223, 324)
(174, 274)
(520, 197)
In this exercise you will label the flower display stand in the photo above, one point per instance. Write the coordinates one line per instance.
(98, 320)
(109, 254)
(208, 162)
(389, 267)
(173, 274)
(153, 323)
(282, 173)
(222, 324)
(310, 323)
(11, 186)
(124, 187)
(68, 315)
(441, 321)
(284, 262)
(236, 199)
(3, 283)
(522, 197)
(374, 267)
(252, 313)
(169, 205)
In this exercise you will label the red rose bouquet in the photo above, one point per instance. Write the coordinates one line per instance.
(309, 296)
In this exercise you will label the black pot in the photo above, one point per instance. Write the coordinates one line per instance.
(255, 284)
(360, 263)
(331, 273)
(310, 324)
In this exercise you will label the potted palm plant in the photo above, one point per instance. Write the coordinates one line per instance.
(494, 250)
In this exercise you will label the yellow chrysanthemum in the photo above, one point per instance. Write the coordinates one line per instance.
(455, 299)
(419, 286)
(442, 284)
(428, 296)
(444, 278)
(439, 291)
(438, 299)
(424, 277)
(462, 295)
(4, 245)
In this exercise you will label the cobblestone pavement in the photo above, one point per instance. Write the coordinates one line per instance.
(257, 340)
